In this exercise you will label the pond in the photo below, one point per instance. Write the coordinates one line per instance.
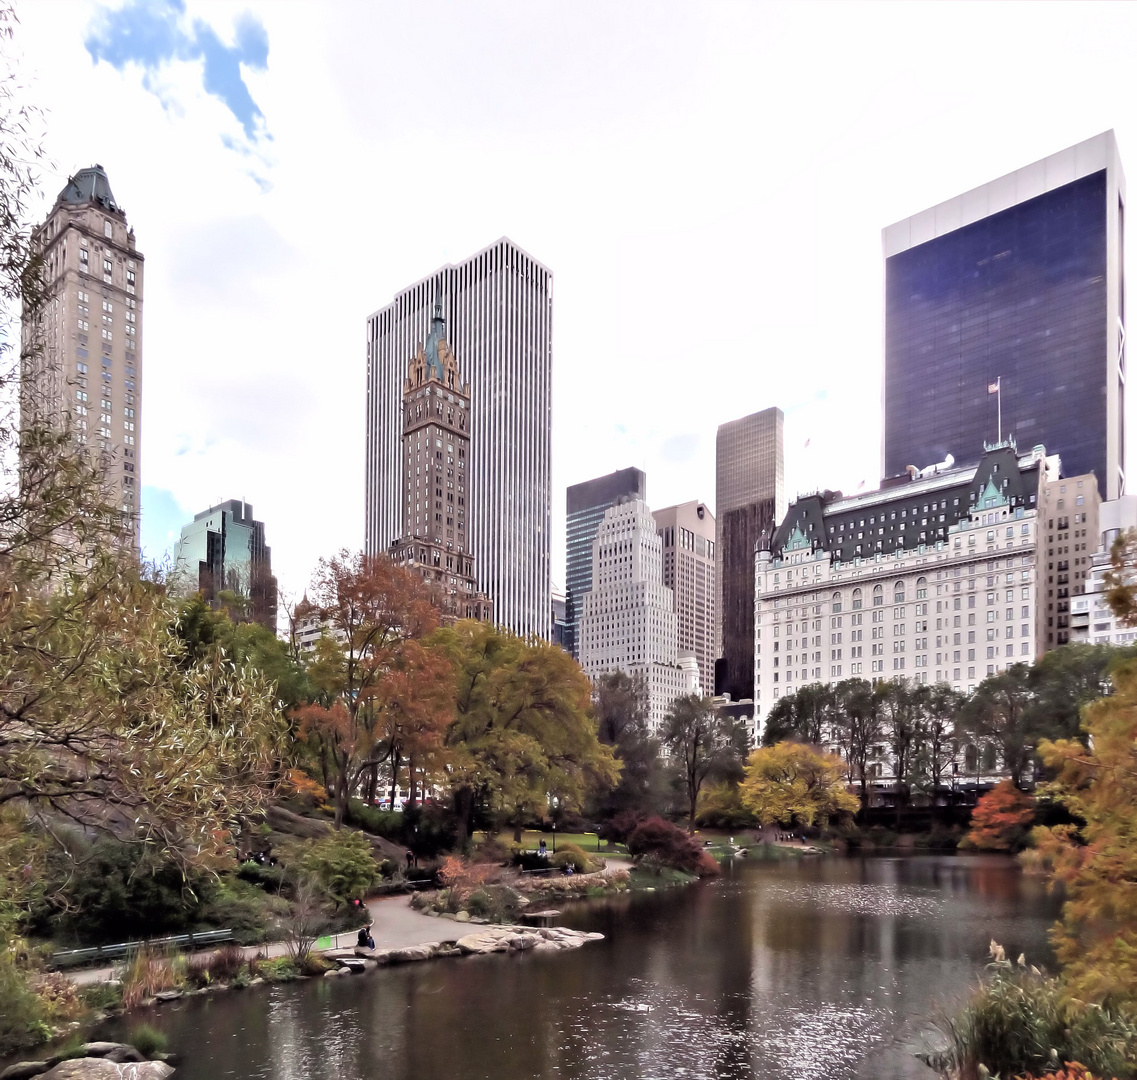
(790, 969)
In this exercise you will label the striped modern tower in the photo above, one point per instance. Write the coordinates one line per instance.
(498, 307)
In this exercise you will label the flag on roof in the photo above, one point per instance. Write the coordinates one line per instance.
(993, 387)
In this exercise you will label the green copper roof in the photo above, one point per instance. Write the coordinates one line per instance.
(89, 185)
(437, 334)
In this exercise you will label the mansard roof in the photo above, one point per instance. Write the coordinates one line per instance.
(908, 511)
(89, 185)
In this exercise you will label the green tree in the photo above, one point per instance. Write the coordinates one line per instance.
(342, 864)
(1000, 713)
(621, 706)
(936, 747)
(803, 716)
(858, 726)
(703, 743)
(1064, 680)
(903, 705)
(523, 734)
(790, 782)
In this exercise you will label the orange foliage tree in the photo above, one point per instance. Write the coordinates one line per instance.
(1001, 819)
(382, 695)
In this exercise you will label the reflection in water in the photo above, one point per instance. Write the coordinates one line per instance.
(824, 968)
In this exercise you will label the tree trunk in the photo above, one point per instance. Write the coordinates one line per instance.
(396, 761)
(412, 782)
(372, 784)
(463, 811)
(341, 793)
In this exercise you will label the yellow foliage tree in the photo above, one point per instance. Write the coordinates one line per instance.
(790, 782)
(1096, 940)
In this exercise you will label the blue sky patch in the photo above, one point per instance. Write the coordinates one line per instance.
(151, 34)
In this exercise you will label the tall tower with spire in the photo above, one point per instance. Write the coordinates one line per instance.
(82, 346)
(436, 475)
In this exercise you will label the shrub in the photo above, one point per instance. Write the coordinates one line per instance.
(620, 827)
(147, 972)
(1001, 820)
(491, 850)
(529, 860)
(269, 878)
(240, 907)
(148, 1041)
(385, 823)
(479, 904)
(342, 864)
(276, 969)
(1020, 1019)
(22, 1021)
(226, 962)
(661, 842)
(101, 996)
(572, 854)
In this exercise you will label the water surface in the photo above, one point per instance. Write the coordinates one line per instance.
(817, 968)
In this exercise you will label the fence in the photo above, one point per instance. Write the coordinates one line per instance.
(107, 953)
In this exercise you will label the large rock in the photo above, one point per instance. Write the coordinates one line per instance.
(412, 953)
(99, 1068)
(24, 1070)
(112, 1051)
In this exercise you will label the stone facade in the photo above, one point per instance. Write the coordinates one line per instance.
(436, 477)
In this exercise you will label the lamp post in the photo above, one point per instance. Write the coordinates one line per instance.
(554, 838)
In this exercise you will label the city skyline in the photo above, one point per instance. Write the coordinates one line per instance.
(239, 255)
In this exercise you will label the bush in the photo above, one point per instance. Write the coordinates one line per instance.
(22, 1021)
(571, 854)
(1020, 1019)
(147, 972)
(102, 997)
(122, 892)
(661, 842)
(529, 860)
(385, 823)
(491, 850)
(342, 865)
(276, 969)
(620, 827)
(148, 1041)
(1001, 820)
(269, 878)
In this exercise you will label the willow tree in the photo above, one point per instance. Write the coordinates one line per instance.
(523, 739)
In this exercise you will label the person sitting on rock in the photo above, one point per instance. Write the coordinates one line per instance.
(365, 940)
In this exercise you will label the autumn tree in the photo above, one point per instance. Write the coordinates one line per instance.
(790, 782)
(379, 694)
(523, 734)
(1001, 819)
(702, 743)
(1096, 940)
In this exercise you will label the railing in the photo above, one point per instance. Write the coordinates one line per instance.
(99, 953)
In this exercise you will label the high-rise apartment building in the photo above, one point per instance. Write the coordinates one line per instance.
(498, 308)
(82, 347)
(688, 535)
(936, 577)
(1092, 620)
(1016, 286)
(628, 621)
(223, 550)
(586, 504)
(436, 480)
(1069, 529)
(749, 502)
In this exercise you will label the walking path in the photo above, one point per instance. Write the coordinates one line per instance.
(395, 925)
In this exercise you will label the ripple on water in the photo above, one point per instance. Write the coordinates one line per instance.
(659, 1035)
(860, 898)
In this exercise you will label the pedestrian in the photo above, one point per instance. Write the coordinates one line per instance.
(410, 859)
(542, 850)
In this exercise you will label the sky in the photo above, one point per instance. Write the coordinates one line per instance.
(707, 181)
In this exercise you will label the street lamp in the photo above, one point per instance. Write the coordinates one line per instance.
(554, 838)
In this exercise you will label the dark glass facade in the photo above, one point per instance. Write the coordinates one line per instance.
(1019, 296)
(742, 530)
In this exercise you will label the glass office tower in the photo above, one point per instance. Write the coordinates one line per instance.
(1018, 284)
(585, 504)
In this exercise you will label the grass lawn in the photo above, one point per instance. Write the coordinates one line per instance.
(531, 838)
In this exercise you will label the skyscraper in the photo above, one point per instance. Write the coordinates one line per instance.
(498, 308)
(436, 489)
(1010, 297)
(585, 504)
(627, 621)
(82, 354)
(750, 500)
(688, 535)
(223, 550)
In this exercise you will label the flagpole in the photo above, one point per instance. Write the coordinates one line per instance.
(999, 395)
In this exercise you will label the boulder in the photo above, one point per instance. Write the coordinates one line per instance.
(99, 1068)
(413, 953)
(462, 916)
(24, 1070)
